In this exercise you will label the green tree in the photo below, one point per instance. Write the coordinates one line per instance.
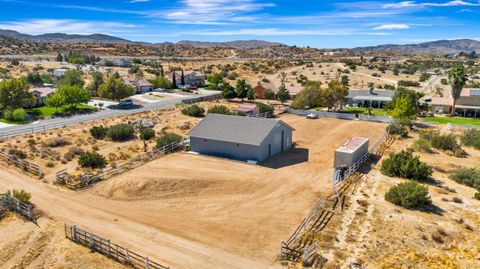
(183, 78)
(34, 78)
(73, 77)
(161, 82)
(215, 82)
(115, 89)
(282, 94)
(174, 81)
(242, 88)
(335, 94)
(74, 95)
(309, 97)
(59, 57)
(14, 93)
(55, 100)
(228, 92)
(457, 78)
(269, 94)
(251, 94)
(97, 80)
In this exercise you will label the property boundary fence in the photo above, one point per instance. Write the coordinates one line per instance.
(267, 114)
(336, 115)
(202, 98)
(85, 180)
(24, 165)
(109, 249)
(298, 245)
(16, 205)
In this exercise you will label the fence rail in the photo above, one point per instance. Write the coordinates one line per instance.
(336, 115)
(202, 98)
(86, 180)
(110, 249)
(24, 165)
(9, 202)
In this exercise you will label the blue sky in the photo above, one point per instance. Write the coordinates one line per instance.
(322, 24)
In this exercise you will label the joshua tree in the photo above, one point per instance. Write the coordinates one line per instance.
(457, 78)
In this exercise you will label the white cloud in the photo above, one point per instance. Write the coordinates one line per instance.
(393, 26)
(413, 4)
(138, 1)
(43, 26)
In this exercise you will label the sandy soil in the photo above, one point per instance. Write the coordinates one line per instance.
(200, 212)
(25, 245)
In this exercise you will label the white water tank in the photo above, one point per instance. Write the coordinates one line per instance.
(350, 152)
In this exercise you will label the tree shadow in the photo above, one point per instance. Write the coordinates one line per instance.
(433, 209)
(119, 107)
(290, 157)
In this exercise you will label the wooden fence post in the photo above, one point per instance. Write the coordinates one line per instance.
(147, 265)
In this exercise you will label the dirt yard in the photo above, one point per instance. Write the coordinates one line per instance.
(192, 211)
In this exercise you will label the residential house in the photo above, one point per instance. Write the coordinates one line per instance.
(191, 78)
(262, 87)
(369, 98)
(58, 73)
(40, 94)
(240, 138)
(468, 105)
(140, 86)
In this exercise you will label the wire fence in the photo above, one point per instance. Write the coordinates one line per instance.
(109, 249)
(85, 180)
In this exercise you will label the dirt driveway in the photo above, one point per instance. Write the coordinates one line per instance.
(198, 212)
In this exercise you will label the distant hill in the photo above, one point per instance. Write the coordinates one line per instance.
(239, 44)
(433, 47)
(65, 38)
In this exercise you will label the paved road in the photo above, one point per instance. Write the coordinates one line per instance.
(48, 124)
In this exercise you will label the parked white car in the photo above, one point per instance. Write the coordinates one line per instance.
(312, 116)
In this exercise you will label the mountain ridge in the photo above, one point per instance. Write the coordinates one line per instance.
(431, 47)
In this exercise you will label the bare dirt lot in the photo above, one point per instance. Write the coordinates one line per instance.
(199, 212)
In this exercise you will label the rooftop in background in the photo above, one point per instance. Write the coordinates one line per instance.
(236, 129)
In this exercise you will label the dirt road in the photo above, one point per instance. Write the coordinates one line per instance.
(79, 209)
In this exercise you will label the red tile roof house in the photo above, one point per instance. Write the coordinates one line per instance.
(192, 78)
(261, 87)
(468, 105)
(249, 109)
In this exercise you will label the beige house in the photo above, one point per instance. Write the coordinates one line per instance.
(40, 94)
(468, 105)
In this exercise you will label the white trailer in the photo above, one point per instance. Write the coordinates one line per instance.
(350, 152)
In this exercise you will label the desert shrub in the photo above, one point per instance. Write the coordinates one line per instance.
(397, 129)
(72, 152)
(468, 176)
(18, 153)
(21, 195)
(147, 134)
(17, 115)
(264, 108)
(121, 132)
(422, 145)
(193, 111)
(477, 195)
(219, 109)
(471, 138)
(167, 138)
(410, 195)
(98, 132)
(405, 165)
(50, 164)
(92, 160)
(57, 142)
(441, 141)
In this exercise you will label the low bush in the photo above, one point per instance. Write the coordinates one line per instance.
(98, 132)
(58, 142)
(167, 138)
(441, 141)
(147, 134)
(471, 138)
(410, 195)
(477, 195)
(92, 160)
(21, 195)
(121, 132)
(194, 111)
(422, 145)
(405, 165)
(17, 115)
(72, 152)
(264, 108)
(18, 153)
(219, 109)
(468, 176)
(397, 129)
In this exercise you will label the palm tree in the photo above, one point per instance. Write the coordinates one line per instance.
(457, 78)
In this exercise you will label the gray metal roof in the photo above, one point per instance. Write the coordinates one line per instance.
(372, 98)
(235, 129)
(383, 93)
